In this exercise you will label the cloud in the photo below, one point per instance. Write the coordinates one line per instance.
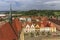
(29, 4)
(3, 6)
(11, 0)
(52, 2)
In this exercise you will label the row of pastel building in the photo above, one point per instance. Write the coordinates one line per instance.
(32, 28)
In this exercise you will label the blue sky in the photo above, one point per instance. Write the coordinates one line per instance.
(30, 4)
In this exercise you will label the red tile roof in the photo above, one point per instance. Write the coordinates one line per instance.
(6, 32)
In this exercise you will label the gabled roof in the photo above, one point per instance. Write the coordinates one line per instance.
(37, 26)
(27, 26)
(32, 26)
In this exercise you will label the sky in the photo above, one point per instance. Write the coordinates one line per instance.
(29, 5)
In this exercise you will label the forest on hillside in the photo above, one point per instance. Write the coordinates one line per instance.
(37, 13)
